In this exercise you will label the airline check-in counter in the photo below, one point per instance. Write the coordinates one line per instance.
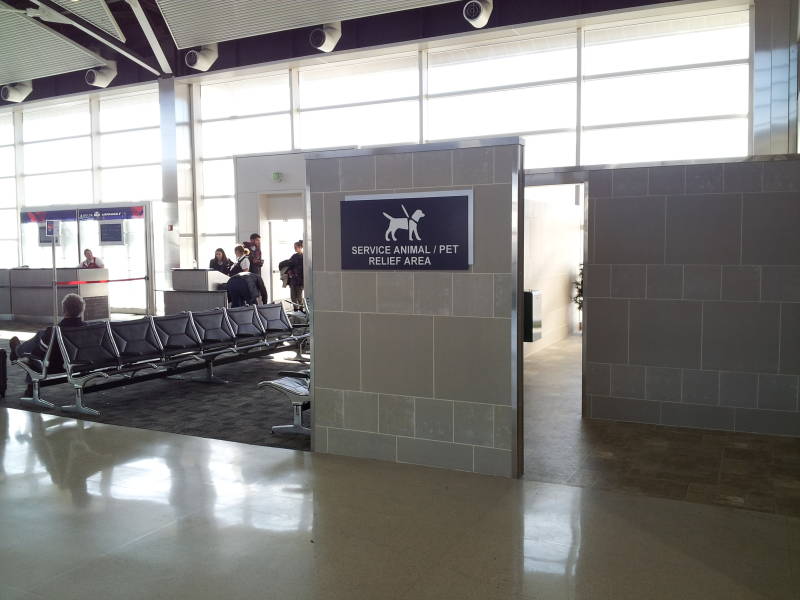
(195, 289)
(30, 292)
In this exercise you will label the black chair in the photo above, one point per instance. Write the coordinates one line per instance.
(41, 369)
(247, 327)
(274, 318)
(216, 338)
(136, 341)
(89, 352)
(177, 335)
(214, 330)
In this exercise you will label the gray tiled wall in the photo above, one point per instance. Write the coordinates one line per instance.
(416, 366)
(693, 296)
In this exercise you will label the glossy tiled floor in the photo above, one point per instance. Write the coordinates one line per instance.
(756, 472)
(99, 511)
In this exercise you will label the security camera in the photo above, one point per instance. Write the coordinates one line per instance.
(103, 76)
(477, 12)
(326, 37)
(16, 92)
(201, 60)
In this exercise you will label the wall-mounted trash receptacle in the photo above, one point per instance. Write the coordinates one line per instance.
(532, 315)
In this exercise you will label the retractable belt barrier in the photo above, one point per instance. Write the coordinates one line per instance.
(101, 281)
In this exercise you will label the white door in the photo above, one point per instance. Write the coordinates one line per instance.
(282, 236)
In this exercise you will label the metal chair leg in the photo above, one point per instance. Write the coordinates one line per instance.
(297, 422)
(78, 408)
(35, 398)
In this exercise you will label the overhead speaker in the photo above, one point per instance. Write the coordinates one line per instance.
(16, 92)
(326, 37)
(102, 76)
(202, 59)
(477, 12)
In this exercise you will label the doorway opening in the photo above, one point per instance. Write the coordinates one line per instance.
(282, 219)
(553, 256)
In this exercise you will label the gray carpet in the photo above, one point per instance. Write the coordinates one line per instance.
(238, 412)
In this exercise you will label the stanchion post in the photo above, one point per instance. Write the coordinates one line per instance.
(51, 229)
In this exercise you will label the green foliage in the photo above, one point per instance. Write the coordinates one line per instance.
(578, 285)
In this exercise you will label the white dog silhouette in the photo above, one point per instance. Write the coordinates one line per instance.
(409, 223)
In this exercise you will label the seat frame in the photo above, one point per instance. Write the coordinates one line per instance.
(84, 380)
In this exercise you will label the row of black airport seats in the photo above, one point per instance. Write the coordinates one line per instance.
(107, 348)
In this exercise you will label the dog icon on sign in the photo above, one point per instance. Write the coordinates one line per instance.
(409, 223)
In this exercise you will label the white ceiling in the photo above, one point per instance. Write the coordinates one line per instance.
(198, 22)
(29, 50)
(95, 12)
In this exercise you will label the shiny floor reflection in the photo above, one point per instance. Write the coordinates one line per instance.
(98, 511)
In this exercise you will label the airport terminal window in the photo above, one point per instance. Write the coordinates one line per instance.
(132, 111)
(53, 122)
(360, 81)
(364, 102)
(271, 133)
(130, 148)
(131, 184)
(6, 161)
(503, 64)
(244, 97)
(58, 188)
(526, 87)
(57, 154)
(650, 87)
(8, 192)
(6, 129)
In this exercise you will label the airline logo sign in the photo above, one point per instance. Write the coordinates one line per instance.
(407, 232)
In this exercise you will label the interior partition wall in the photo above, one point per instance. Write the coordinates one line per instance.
(420, 367)
(692, 296)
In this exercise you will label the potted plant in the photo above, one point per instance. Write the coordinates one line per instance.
(578, 297)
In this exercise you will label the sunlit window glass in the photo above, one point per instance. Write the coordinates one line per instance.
(131, 184)
(60, 188)
(247, 136)
(667, 42)
(682, 94)
(63, 120)
(60, 155)
(218, 215)
(6, 129)
(8, 192)
(218, 178)
(503, 64)
(130, 148)
(6, 161)
(387, 123)
(512, 111)
(707, 139)
(359, 81)
(133, 111)
(257, 95)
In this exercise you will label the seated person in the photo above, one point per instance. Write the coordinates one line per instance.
(220, 262)
(92, 261)
(72, 307)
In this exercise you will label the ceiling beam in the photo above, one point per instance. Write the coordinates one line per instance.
(50, 12)
(155, 46)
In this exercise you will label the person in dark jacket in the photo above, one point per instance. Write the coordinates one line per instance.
(220, 262)
(256, 259)
(294, 269)
(243, 289)
(72, 307)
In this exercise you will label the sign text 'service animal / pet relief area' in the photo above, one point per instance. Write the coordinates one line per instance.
(423, 231)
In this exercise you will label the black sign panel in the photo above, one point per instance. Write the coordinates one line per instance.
(404, 232)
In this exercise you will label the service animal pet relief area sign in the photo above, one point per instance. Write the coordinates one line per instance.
(407, 232)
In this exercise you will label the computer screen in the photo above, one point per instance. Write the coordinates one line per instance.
(111, 233)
